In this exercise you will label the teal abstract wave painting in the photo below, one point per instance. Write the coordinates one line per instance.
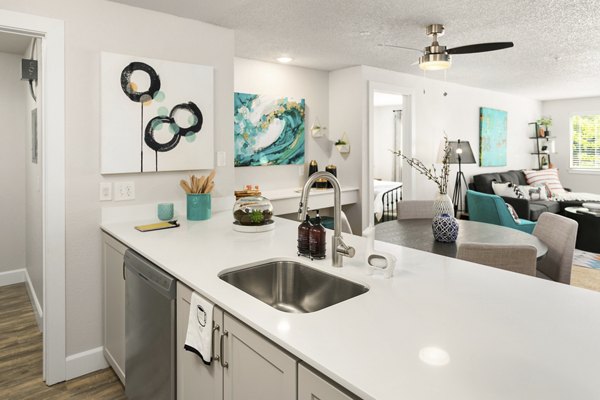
(492, 137)
(268, 130)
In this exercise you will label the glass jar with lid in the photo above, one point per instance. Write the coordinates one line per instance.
(253, 211)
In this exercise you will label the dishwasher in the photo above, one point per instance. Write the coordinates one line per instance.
(150, 295)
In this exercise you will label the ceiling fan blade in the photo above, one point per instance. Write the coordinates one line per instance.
(480, 48)
(400, 47)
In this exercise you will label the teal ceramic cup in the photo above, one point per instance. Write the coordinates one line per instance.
(165, 211)
(198, 207)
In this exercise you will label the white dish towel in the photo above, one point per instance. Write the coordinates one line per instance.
(199, 331)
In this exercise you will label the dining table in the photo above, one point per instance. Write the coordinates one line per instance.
(418, 234)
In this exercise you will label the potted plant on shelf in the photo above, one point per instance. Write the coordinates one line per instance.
(443, 203)
(546, 122)
(342, 144)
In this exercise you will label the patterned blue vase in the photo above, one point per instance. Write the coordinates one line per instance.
(445, 228)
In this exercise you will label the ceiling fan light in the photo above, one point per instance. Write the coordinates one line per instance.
(434, 62)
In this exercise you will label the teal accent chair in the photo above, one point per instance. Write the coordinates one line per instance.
(491, 209)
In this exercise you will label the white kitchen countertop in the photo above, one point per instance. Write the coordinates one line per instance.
(508, 336)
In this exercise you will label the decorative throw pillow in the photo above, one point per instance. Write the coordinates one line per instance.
(548, 177)
(533, 192)
(507, 189)
(513, 213)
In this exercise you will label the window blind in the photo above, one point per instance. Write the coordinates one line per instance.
(585, 141)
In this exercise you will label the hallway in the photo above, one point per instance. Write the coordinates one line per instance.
(21, 358)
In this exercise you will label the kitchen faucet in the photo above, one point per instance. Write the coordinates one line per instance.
(339, 249)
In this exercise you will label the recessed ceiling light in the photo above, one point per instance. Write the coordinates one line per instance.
(285, 60)
(434, 356)
(364, 33)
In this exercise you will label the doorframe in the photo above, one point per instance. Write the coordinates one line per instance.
(52, 125)
(408, 144)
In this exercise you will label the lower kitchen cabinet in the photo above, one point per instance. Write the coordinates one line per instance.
(312, 387)
(113, 253)
(246, 366)
(196, 380)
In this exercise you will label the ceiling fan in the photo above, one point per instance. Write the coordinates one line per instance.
(436, 57)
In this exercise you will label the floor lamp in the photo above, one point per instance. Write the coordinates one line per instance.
(460, 153)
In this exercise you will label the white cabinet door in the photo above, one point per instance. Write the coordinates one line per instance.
(312, 387)
(254, 368)
(113, 252)
(196, 380)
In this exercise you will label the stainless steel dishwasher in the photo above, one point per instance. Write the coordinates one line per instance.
(149, 330)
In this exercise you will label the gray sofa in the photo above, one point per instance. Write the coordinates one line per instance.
(528, 209)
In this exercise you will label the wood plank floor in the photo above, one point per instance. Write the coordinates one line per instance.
(21, 358)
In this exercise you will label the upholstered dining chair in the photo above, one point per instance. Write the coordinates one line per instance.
(415, 209)
(515, 258)
(559, 234)
(492, 209)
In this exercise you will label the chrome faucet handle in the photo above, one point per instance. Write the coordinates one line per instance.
(344, 249)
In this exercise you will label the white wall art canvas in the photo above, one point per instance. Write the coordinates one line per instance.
(155, 115)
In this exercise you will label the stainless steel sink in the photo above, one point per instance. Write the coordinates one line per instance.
(293, 287)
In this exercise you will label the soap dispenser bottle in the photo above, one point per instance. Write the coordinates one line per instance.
(317, 241)
(304, 237)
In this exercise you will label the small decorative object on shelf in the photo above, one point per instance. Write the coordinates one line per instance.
(253, 214)
(445, 228)
(546, 122)
(343, 145)
(442, 203)
(332, 169)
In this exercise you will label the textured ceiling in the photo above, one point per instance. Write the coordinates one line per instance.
(556, 53)
(13, 43)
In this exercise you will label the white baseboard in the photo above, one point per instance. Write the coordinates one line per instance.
(37, 308)
(85, 362)
(12, 277)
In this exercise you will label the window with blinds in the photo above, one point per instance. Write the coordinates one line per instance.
(585, 142)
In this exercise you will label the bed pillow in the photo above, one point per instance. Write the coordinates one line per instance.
(547, 177)
(507, 189)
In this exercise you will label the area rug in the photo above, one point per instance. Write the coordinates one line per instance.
(587, 278)
(586, 270)
(586, 259)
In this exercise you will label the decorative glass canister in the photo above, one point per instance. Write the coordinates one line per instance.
(253, 214)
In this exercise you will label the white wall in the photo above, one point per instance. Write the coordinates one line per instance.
(92, 26)
(561, 112)
(384, 140)
(457, 114)
(33, 201)
(346, 101)
(251, 76)
(12, 164)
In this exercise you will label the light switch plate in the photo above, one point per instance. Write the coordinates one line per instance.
(105, 191)
(124, 191)
(221, 159)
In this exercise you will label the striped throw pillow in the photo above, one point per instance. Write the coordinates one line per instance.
(546, 177)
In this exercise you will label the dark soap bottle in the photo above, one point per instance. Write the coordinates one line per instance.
(317, 239)
(304, 237)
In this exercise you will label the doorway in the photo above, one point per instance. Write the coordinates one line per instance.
(391, 128)
(46, 117)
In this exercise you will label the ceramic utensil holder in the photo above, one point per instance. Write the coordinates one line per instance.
(198, 206)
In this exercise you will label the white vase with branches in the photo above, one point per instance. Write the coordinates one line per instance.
(442, 203)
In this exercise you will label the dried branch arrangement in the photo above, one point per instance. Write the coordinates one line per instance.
(440, 180)
(197, 185)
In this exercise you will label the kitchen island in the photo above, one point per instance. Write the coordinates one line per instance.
(441, 328)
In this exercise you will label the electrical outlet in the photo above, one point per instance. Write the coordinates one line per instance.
(124, 191)
(105, 191)
(221, 159)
